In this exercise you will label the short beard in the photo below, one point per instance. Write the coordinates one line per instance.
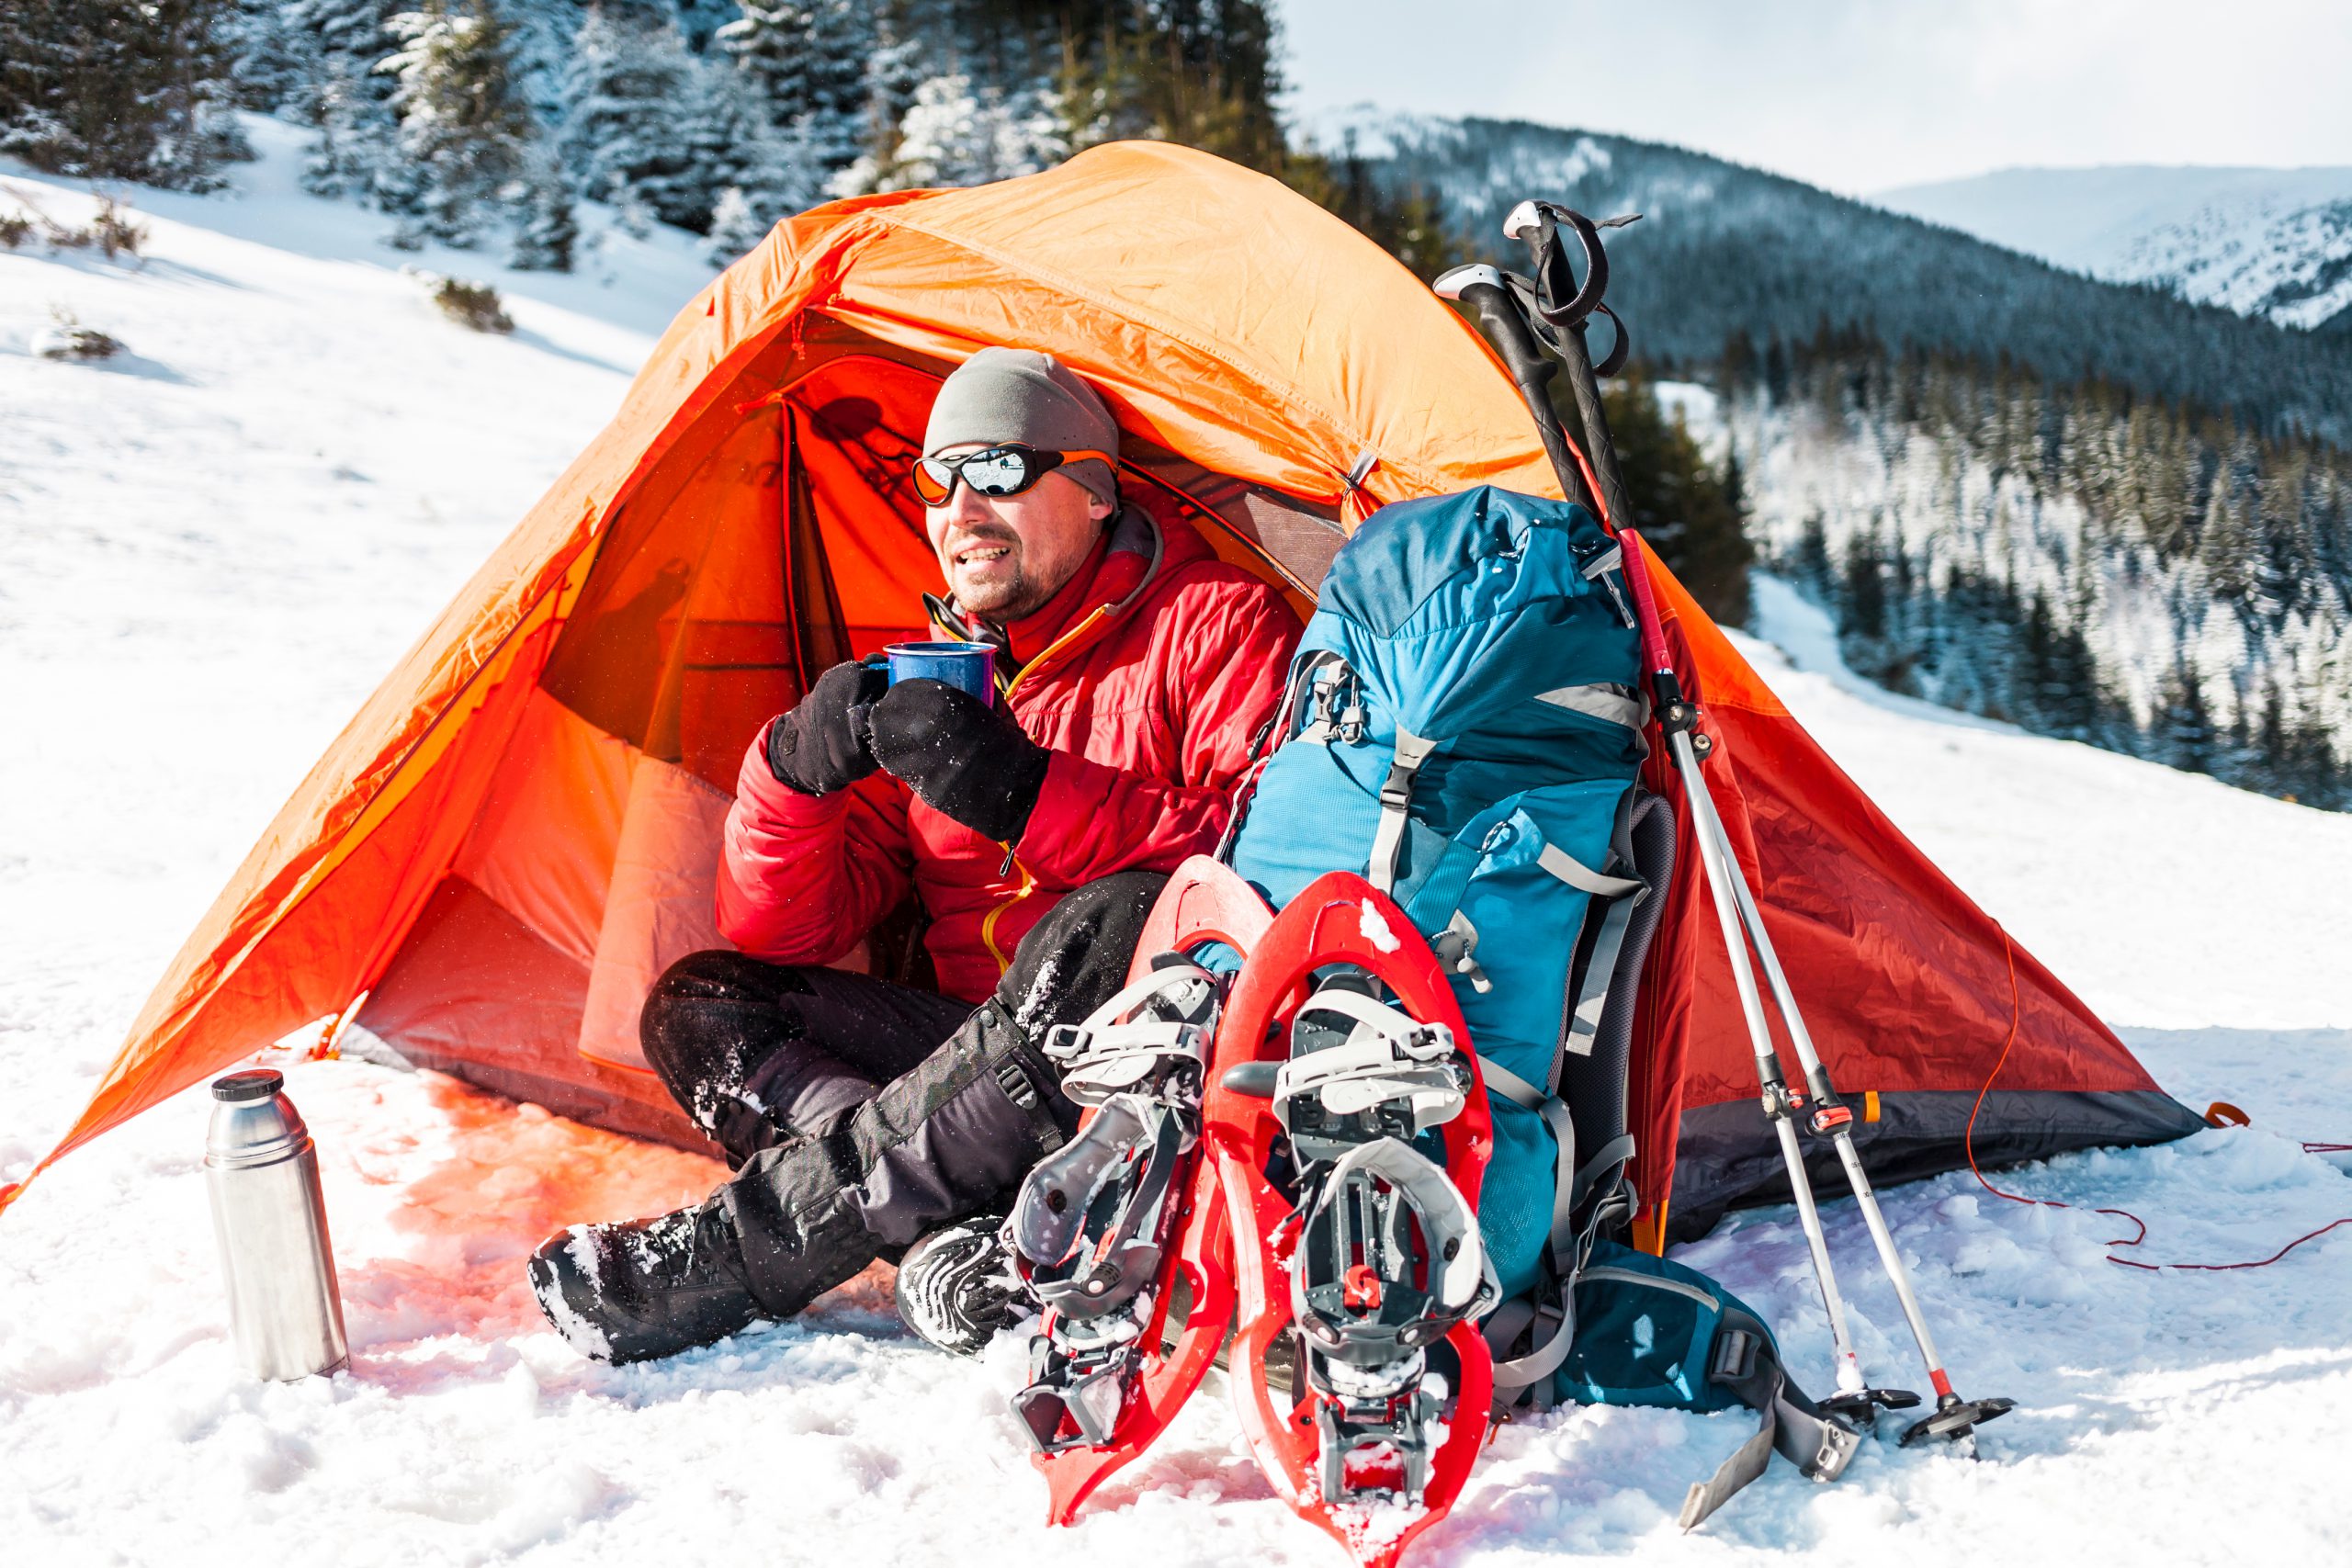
(1001, 603)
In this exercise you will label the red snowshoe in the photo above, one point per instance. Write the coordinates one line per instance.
(1111, 1232)
(1309, 1092)
(1368, 1254)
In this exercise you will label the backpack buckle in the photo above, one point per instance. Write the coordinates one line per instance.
(1734, 1360)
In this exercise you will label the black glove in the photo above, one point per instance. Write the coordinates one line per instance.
(964, 758)
(820, 746)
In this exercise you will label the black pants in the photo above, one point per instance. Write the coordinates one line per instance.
(860, 1114)
(756, 1051)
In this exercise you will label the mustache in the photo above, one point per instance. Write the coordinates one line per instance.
(979, 537)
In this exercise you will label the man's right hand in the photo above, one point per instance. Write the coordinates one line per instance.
(821, 745)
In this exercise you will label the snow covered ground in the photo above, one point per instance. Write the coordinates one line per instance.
(210, 551)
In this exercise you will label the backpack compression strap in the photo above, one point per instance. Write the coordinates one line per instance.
(1743, 1362)
(1396, 794)
(1552, 1303)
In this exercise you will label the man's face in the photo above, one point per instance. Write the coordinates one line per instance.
(1004, 555)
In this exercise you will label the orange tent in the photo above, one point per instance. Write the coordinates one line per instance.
(520, 828)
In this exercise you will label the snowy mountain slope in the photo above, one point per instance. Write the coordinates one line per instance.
(207, 556)
(2271, 243)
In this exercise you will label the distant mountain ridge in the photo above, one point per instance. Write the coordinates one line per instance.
(1724, 250)
(2092, 509)
(2269, 242)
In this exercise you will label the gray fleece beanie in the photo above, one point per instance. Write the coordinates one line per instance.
(1019, 394)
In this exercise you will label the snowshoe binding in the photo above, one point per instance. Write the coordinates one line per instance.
(1118, 1239)
(1351, 1241)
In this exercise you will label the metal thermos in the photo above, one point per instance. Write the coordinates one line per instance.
(272, 1222)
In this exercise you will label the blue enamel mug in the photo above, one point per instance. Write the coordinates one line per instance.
(967, 666)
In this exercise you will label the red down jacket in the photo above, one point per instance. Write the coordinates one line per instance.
(1148, 676)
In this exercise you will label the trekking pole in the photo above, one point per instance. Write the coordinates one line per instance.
(1503, 308)
(1539, 225)
(1954, 1417)
(1678, 720)
(1566, 307)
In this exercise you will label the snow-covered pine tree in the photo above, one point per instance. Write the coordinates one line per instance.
(732, 143)
(539, 45)
(625, 95)
(809, 59)
(2182, 730)
(271, 63)
(461, 127)
(347, 101)
(112, 92)
(698, 20)
(547, 230)
(959, 132)
(1692, 513)
(735, 228)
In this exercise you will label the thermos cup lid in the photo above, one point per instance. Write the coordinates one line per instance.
(254, 1083)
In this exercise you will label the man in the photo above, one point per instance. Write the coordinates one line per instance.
(864, 1118)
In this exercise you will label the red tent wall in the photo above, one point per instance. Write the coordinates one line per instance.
(1909, 990)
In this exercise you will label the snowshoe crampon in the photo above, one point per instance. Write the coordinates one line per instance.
(1118, 1237)
(1370, 1262)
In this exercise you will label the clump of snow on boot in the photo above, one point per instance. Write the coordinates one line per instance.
(583, 1335)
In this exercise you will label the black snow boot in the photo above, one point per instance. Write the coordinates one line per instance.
(636, 1290)
(957, 1287)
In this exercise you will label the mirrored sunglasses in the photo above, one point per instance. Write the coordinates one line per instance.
(996, 470)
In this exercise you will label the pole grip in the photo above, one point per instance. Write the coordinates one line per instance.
(1510, 334)
(1532, 372)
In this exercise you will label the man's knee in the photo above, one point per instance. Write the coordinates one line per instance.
(956, 1134)
(673, 1026)
(1076, 958)
(723, 974)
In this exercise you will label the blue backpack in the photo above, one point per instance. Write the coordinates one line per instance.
(1463, 724)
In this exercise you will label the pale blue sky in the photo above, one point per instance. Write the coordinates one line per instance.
(1861, 95)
